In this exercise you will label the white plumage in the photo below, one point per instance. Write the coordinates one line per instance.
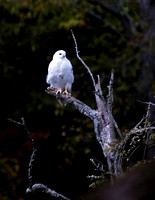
(60, 73)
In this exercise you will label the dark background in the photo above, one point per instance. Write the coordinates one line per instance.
(109, 36)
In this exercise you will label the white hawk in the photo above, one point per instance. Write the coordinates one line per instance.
(60, 73)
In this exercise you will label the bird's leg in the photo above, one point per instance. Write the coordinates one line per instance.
(59, 91)
(66, 92)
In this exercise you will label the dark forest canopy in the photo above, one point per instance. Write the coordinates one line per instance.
(111, 34)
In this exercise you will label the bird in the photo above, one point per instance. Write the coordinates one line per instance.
(60, 73)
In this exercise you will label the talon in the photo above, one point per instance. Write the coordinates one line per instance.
(58, 91)
(66, 92)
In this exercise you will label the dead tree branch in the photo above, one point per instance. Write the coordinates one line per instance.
(32, 159)
(77, 104)
(44, 189)
(37, 186)
(30, 168)
(102, 117)
(77, 54)
(110, 100)
(140, 132)
(148, 103)
(110, 97)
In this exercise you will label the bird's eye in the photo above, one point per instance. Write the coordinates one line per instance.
(60, 54)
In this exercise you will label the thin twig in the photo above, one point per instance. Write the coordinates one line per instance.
(32, 159)
(77, 54)
(148, 128)
(148, 114)
(133, 152)
(15, 122)
(144, 102)
(30, 168)
(26, 129)
(139, 123)
(23, 124)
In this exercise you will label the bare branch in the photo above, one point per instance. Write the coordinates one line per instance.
(100, 101)
(139, 123)
(117, 128)
(26, 129)
(133, 152)
(144, 102)
(148, 114)
(139, 131)
(23, 124)
(77, 104)
(46, 190)
(31, 164)
(15, 122)
(77, 54)
(110, 100)
(110, 97)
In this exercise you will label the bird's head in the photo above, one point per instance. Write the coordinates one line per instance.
(59, 54)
